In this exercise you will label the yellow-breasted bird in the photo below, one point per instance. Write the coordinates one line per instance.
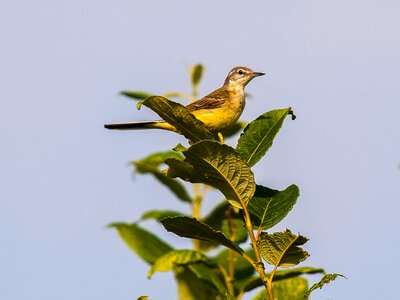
(218, 110)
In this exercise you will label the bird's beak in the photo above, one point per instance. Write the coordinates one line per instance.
(255, 74)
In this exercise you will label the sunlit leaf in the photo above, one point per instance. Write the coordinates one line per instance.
(217, 165)
(178, 116)
(175, 258)
(192, 228)
(282, 248)
(289, 289)
(267, 211)
(325, 280)
(258, 136)
(145, 244)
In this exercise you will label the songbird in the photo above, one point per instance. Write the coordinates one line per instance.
(218, 110)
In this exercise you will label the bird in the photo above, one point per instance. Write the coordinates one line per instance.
(218, 110)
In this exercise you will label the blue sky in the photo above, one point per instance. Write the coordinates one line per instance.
(64, 178)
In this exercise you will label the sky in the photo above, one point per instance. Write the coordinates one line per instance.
(64, 177)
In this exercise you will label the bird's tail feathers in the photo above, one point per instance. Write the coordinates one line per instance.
(141, 125)
(133, 125)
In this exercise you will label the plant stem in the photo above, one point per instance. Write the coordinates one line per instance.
(232, 232)
(197, 199)
(228, 281)
(259, 266)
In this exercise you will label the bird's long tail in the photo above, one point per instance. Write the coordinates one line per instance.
(140, 125)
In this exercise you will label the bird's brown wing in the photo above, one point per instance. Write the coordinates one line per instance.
(213, 100)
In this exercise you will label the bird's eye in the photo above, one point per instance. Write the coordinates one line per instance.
(240, 72)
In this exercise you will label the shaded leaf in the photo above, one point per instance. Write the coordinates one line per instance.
(175, 258)
(143, 298)
(192, 228)
(145, 244)
(282, 248)
(217, 215)
(234, 129)
(178, 116)
(255, 281)
(325, 280)
(160, 214)
(183, 170)
(190, 287)
(172, 184)
(207, 274)
(258, 136)
(217, 165)
(243, 269)
(266, 211)
(137, 95)
(240, 233)
(289, 289)
(196, 73)
(214, 219)
(155, 159)
(285, 274)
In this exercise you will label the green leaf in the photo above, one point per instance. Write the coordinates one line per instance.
(218, 214)
(196, 73)
(217, 165)
(282, 248)
(156, 159)
(234, 129)
(190, 287)
(178, 116)
(194, 229)
(145, 244)
(258, 136)
(289, 289)
(255, 281)
(285, 274)
(150, 164)
(172, 184)
(240, 233)
(325, 280)
(243, 269)
(207, 274)
(137, 95)
(175, 258)
(267, 211)
(160, 214)
(179, 148)
(214, 219)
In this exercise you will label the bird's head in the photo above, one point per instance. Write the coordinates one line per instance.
(241, 75)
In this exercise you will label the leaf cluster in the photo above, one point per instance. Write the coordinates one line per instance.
(248, 212)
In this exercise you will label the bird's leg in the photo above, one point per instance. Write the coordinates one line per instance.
(221, 138)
